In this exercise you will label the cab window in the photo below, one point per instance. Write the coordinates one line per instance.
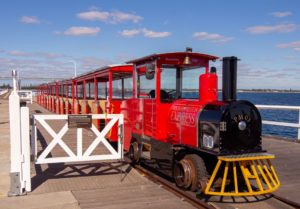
(145, 87)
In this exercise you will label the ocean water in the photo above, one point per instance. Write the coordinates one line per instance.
(287, 99)
(290, 116)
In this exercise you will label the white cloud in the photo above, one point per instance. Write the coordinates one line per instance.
(94, 15)
(281, 14)
(124, 17)
(146, 32)
(130, 33)
(109, 17)
(81, 31)
(292, 45)
(213, 37)
(92, 63)
(264, 29)
(155, 34)
(19, 53)
(29, 20)
(44, 55)
(48, 69)
(47, 55)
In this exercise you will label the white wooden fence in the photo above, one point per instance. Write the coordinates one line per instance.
(79, 156)
(276, 123)
(20, 143)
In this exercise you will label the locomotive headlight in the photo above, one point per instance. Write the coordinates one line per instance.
(208, 141)
(242, 125)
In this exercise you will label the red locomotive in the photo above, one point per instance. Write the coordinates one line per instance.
(189, 136)
(204, 143)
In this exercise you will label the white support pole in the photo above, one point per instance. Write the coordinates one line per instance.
(33, 138)
(15, 144)
(299, 127)
(79, 142)
(121, 137)
(25, 132)
(14, 75)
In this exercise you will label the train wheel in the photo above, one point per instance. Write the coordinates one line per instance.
(190, 172)
(134, 152)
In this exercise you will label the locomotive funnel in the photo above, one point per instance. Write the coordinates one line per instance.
(229, 78)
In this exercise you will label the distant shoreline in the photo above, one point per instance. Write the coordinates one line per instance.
(196, 90)
(265, 91)
(269, 91)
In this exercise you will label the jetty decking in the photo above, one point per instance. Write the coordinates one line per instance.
(115, 185)
(75, 185)
(287, 165)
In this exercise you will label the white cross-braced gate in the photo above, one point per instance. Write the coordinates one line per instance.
(79, 156)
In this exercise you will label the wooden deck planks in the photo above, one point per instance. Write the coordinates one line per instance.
(98, 185)
(134, 196)
(90, 188)
(287, 165)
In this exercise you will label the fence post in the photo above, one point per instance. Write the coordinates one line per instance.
(299, 127)
(15, 144)
(33, 139)
(25, 133)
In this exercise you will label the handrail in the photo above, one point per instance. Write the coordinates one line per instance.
(276, 123)
(3, 91)
(25, 95)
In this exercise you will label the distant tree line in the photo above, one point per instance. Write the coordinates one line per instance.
(5, 86)
(25, 87)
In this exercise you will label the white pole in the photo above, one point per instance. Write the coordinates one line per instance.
(299, 127)
(15, 143)
(25, 132)
(75, 67)
(14, 75)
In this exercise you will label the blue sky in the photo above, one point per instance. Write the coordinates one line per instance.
(39, 38)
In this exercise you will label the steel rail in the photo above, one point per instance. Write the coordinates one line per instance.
(287, 201)
(185, 195)
(191, 197)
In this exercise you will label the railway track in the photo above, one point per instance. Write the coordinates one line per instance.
(217, 202)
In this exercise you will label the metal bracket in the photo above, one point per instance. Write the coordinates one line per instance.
(15, 184)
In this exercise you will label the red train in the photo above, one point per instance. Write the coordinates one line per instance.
(205, 144)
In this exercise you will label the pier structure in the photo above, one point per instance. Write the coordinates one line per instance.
(71, 170)
(106, 185)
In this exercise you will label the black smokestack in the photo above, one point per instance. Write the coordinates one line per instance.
(229, 78)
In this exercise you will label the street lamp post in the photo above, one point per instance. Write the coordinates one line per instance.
(75, 67)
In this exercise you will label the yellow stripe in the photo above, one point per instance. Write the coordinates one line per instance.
(212, 178)
(236, 188)
(229, 159)
(224, 177)
(243, 169)
(256, 176)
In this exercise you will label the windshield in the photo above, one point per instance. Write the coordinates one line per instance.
(179, 83)
(190, 83)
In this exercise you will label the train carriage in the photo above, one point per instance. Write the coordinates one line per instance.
(99, 91)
